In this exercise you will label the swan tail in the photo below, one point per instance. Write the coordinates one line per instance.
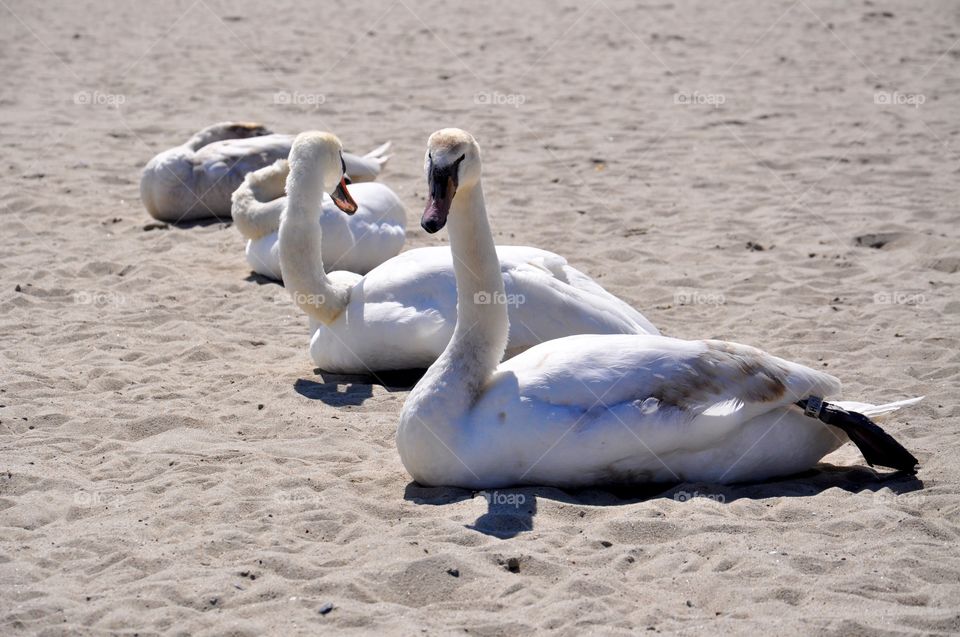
(367, 167)
(379, 154)
(877, 446)
(878, 412)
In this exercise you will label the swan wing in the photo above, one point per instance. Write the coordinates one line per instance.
(399, 316)
(237, 157)
(372, 235)
(697, 376)
(550, 299)
(275, 145)
(667, 392)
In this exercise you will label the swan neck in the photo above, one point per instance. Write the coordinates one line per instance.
(301, 258)
(482, 320)
(433, 412)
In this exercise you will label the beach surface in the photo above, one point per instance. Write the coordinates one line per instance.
(783, 174)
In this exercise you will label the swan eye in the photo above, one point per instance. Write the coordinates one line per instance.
(455, 168)
(437, 177)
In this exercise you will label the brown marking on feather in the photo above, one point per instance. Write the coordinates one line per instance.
(765, 380)
(248, 129)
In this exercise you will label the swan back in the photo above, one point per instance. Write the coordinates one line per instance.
(694, 376)
(182, 184)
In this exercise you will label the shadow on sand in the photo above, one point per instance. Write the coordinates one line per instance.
(512, 511)
(206, 222)
(259, 279)
(353, 389)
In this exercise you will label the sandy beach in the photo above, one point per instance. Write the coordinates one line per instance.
(783, 174)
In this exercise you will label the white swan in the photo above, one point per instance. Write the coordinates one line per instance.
(195, 180)
(596, 409)
(356, 243)
(401, 314)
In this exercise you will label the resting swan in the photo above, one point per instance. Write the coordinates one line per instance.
(195, 180)
(599, 409)
(356, 243)
(401, 314)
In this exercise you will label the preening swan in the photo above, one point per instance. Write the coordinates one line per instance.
(356, 243)
(602, 409)
(195, 180)
(401, 314)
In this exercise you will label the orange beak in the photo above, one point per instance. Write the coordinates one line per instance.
(342, 198)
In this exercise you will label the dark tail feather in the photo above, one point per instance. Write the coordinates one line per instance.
(877, 446)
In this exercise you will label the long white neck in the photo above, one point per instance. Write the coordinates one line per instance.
(300, 237)
(480, 337)
(431, 415)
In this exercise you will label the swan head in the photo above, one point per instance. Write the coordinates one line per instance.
(452, 164)
(316, 162)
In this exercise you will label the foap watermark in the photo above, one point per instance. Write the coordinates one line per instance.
(686, 496)
(495, 98)
(498, 298)
(899, 297)
(285, 499)
(496, 498)
(97, 499)
(285, 98)
(698, 297)
(303, 298)
(96, 98)
(888, 498)
(896, 98)
(697, 98)
(99, 299)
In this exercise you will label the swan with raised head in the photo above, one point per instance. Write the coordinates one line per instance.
(604, 409)
(356, 243)
(195, 180)
(401, 314)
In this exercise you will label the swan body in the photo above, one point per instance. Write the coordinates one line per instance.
(610, 409)
(401, 314)
(602, 409)
(356, 243)
(195, 180)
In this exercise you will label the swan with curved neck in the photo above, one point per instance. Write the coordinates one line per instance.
(356, 243)
(195, 180)
(321, 296)
(603, 409)
(401, 315)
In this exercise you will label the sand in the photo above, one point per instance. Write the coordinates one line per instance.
(763, 172)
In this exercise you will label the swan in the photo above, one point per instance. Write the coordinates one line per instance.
(599, 409)
(401, 314)
(357, 243)
(195, 180)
